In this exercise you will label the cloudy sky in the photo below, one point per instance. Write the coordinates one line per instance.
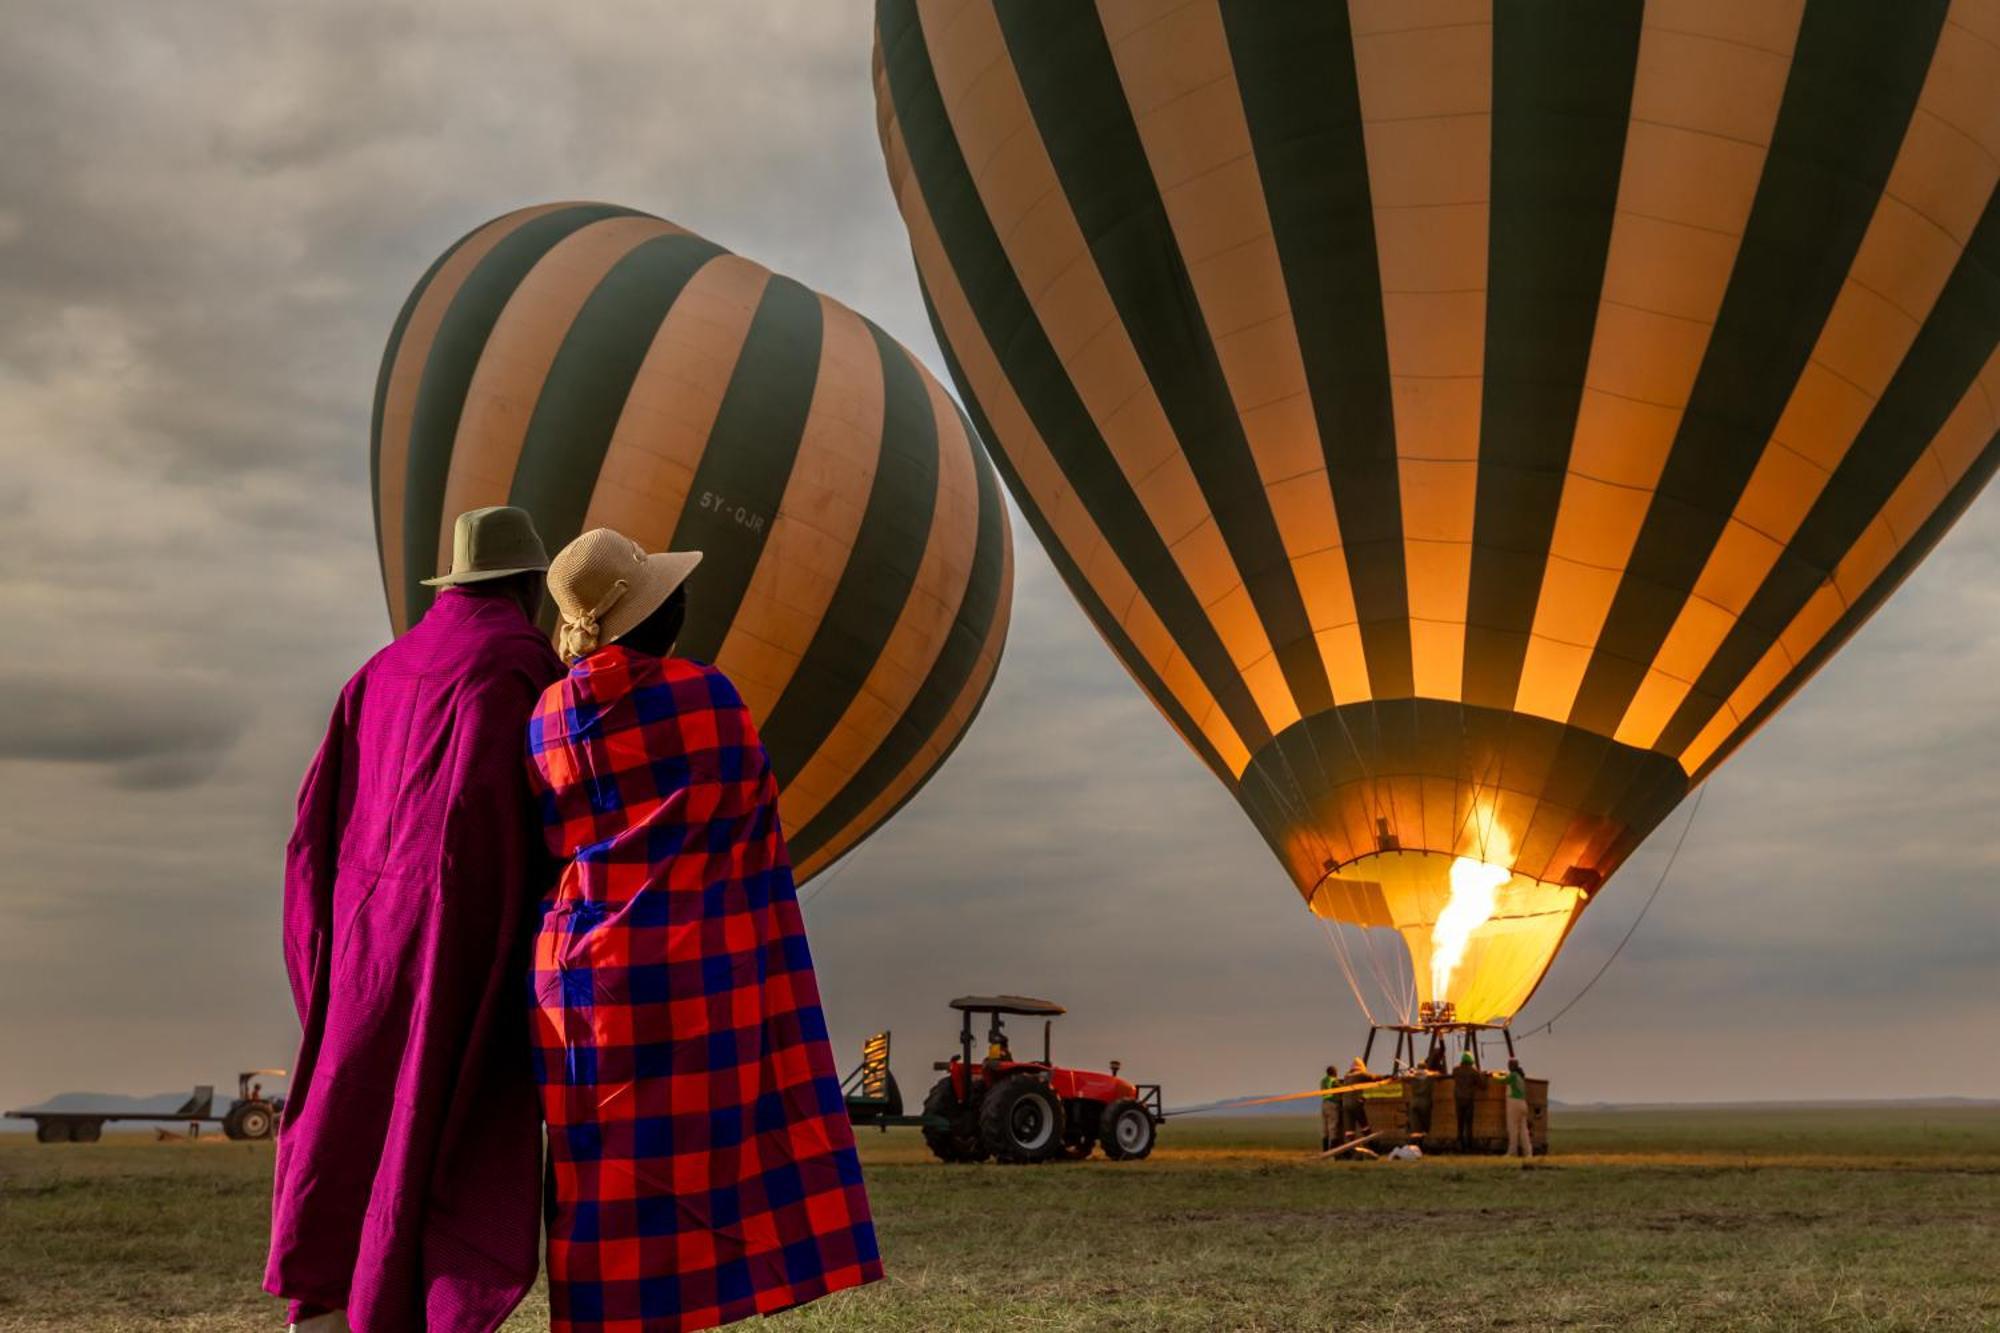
(209, 214)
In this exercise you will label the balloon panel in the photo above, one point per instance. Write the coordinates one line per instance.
(601, 367)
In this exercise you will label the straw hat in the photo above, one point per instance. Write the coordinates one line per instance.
(604, 584)
(492, 543)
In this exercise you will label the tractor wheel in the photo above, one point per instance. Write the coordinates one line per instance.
(52, 1131)
(1022, 1121)
(961, 1142)
(1128, 1131)
(86, 1131)
(229, 1130)
(253, 1121)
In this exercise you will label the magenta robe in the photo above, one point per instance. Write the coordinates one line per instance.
(408, 1187)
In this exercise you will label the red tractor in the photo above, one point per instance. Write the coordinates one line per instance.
(1008, 1109)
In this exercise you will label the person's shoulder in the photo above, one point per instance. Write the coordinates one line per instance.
(385, 663)
(517, 650)
(687, 670)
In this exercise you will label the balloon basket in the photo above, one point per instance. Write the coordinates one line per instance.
(1403, 1110)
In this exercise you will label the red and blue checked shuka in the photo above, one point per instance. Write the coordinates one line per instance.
(704, 1167)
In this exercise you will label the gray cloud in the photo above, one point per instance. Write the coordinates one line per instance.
(151, 732)
(209, 215)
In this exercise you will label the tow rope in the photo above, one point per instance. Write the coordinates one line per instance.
(1237, 1102)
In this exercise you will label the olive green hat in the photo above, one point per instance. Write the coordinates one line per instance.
(497, 542)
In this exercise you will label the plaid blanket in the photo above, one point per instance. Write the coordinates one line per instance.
(704, 1167)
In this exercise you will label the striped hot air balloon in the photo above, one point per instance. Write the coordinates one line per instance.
(602, 368)
(1468, 420)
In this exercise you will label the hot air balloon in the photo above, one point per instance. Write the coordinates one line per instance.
(601, 367)
(1467, 421)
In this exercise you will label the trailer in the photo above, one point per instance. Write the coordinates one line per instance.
(252, 1116)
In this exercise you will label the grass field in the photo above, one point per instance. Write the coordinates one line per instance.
(1760, 1219)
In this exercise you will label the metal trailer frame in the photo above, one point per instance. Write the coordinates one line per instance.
(872, 1096)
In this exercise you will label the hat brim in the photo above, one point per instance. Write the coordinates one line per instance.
(481, 576)
(664, 572)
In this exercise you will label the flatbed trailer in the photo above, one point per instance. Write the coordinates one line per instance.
(251, 1116)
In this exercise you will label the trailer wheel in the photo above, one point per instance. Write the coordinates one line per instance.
(86, 1131)
(1022, 1121)
(52, 1131)
(1128, 1131)
(961, 1142)
(253, 1122)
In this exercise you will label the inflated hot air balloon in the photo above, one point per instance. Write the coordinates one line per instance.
(1467, 421)
(603, 368)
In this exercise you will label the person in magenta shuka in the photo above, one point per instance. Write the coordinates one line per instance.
(408, 1186)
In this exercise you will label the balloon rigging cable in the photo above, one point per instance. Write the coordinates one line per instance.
(1550, 1026)
(825, 881)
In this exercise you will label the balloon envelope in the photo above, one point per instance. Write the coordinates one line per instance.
(604, 368)
(1466, 421)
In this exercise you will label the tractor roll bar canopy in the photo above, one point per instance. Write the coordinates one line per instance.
(1008, 1004)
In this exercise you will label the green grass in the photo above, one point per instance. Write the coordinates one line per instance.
(1749, 1219)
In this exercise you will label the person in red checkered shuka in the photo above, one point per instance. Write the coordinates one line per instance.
(702, 1164)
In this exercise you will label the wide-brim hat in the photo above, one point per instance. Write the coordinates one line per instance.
(604, 584)
(497, 542)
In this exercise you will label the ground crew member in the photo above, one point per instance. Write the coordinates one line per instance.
(1353, 1115)
(1422, 1091)
(1465, 1093)
(1329, 1110)
(1518, 1134)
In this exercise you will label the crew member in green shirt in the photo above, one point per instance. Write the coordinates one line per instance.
(1329, 1110)
(1517, 1112)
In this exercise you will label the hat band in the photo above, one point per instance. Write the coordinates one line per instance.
(580, 633)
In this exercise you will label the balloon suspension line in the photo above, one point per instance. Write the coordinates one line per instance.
(1339, 943)
(1665, 870)
(1391, 992)
(1480, 786)
(1401, 997)
(1367, 777)
(825, 881)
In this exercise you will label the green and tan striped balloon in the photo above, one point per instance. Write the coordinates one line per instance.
(1467, 419)
(603, 368)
